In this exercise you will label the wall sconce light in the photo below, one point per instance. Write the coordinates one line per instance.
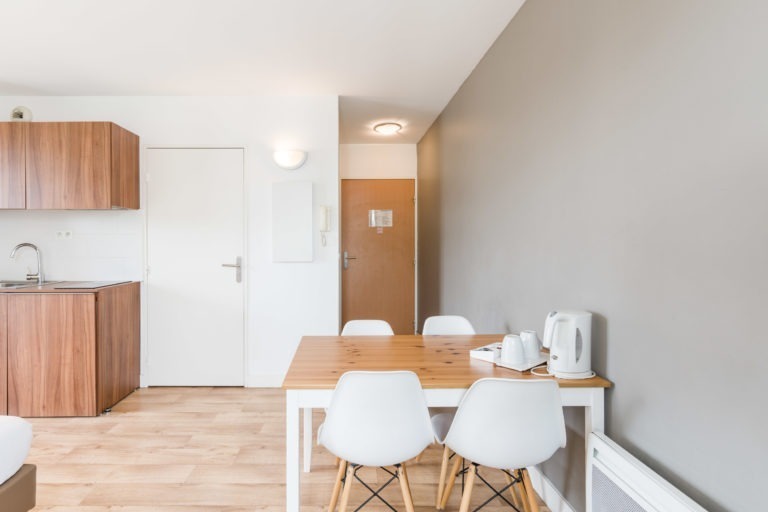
(289, 159)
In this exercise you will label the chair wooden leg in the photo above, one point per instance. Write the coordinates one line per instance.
(522, 492)
(443, 474)
(405, 472)
(405, 487)
(529, 491)
(512, 491)
(417, 459)
(451, 480)
(337, 486)
(347, 488)
(468, 485)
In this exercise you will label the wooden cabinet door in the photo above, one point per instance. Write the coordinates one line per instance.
(3, 355)
(68, 165)
(52, 343)
(12, 165)
(125, 169)
(117, 345)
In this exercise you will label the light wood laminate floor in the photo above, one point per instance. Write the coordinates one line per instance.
(196, 449)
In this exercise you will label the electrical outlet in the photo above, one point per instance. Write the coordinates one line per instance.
(63, 235)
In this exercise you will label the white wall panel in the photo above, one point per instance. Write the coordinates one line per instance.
(292, 221)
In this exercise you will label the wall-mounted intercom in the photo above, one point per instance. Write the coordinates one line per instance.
(324, 223)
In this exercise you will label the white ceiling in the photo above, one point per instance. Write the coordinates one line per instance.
(398, 60)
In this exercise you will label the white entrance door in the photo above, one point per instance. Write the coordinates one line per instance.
(195, 302)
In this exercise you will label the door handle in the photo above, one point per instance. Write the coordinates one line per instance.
(237, 265)
(347, 257)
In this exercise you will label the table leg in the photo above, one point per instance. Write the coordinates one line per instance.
(292, 476)
(594, 421)
(594, 414)
(307, 439)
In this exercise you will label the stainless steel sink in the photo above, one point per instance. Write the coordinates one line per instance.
(17, 284)
(21, 284)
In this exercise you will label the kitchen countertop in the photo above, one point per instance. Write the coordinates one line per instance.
(66, 287)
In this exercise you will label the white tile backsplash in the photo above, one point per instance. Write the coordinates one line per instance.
(104, 245)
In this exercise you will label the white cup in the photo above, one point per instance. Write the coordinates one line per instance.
(531, 345)
(512, 351)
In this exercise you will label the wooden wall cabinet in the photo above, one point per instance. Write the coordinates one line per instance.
(69, 166)
(71, 354)
(81, 166)
(12, 188)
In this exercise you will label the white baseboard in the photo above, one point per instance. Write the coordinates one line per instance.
(264, 380)
(548, 491)
(251, 381)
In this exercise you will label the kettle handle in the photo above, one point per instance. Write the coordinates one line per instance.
(549, 329)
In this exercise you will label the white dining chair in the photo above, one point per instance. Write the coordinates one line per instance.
(351, 328)
(447, 324)
(367, 328)
(375, 419)
(504, 424)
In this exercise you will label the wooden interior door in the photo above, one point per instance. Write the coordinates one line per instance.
(378, 273)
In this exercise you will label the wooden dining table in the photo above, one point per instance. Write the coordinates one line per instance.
(442, 364)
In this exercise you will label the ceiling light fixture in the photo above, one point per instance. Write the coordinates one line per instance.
(387, 128)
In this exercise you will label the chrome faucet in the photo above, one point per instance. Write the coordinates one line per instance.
(39, 275)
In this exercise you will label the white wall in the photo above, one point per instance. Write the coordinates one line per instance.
(377, 161)
(285, 300)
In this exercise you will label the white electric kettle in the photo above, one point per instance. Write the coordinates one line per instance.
(568, 335)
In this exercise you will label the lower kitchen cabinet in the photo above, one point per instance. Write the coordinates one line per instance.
(117, 344)
(71, 354)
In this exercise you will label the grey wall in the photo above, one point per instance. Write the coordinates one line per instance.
(612, 155)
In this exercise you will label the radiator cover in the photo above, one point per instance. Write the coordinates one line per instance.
(618, 482)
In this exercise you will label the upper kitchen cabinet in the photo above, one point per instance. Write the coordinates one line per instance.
(81, 166)
(68, 166)
(12, 165)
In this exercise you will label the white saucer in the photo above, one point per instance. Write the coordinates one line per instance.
(524, 366)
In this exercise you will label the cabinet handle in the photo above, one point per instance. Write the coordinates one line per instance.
(237, 265)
